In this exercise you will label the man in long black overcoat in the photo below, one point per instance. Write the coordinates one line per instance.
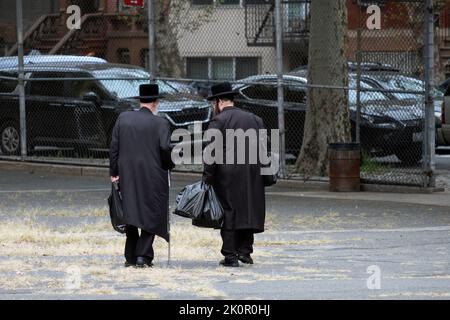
(240, 187)
(140, 160)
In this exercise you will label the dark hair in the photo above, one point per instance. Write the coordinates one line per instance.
(148, 100)
(226, 97)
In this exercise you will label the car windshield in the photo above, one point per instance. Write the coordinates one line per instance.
(399, 82)
(125, 88)
(365, 96)
(402, 83)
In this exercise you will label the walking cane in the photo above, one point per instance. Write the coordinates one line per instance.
(168, 221)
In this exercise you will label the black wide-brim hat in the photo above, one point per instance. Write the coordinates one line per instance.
(148, 92)
(221, 90)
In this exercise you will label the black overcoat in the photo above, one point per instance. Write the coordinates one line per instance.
(239, 187)
(140, 156)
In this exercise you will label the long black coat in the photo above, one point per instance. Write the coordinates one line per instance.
(140, 155)
(239, 187)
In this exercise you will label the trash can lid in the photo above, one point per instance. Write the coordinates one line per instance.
(342, 146)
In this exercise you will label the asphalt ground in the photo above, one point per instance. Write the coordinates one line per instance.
(55, 228)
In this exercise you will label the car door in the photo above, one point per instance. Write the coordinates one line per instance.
(48, 121)
(9, 114)
(89, 127)
(445, 116)
(261, 100)
(294, 115)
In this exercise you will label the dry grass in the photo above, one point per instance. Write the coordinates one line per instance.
(29, 249)
(37, 258)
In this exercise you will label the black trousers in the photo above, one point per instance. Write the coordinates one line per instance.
(236, 242)
(138, 246)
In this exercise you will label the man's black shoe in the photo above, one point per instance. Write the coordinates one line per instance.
(143, 262)
(129, 264)
(229, 263)
(245, 259)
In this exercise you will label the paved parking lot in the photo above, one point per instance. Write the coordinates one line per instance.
(56, 242)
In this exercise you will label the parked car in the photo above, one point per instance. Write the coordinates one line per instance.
(13, 61)
(79, 113)
(408, 84)
(201, 88)
(387, 126)
(443, 131)
(353, 67)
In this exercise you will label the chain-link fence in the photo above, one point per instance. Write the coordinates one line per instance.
(82, 68)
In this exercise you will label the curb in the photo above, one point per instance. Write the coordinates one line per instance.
(90, 171)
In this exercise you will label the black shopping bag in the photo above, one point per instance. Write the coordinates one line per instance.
(212, 213)
(115, 209)
(200, 203)
(190, 200)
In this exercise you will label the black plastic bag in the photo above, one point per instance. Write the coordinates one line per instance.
(199, 202)
(116, 210)
(190, 200)
(270, 179)
(212, 214)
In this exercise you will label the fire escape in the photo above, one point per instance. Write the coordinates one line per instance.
(260, 21)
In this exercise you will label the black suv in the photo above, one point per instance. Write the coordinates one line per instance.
(77, 110)
(388, 126)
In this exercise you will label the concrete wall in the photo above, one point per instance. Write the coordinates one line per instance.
(224, 36)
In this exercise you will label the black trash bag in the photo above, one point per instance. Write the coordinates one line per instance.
(190, 200)
(270, 179)
(212, 214)
(200, 203)
(116, 210)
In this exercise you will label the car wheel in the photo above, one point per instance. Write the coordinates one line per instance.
(411, 155)
(10, 138)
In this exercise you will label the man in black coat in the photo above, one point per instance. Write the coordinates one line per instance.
(240, 187)
(140, 158)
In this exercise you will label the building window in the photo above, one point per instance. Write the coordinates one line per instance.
(219, 2)
(197, 68)
(222, 68)
(230, 2)
(123, 56)
(202, 2)
(246, 67)
(143, 55)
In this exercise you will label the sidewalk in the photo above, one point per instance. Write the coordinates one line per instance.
(288, 188)
(435, 199)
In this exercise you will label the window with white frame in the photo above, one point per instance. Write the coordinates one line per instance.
(221, 68)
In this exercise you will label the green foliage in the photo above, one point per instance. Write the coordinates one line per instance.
(370, 166)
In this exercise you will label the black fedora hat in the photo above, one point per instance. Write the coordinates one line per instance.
(148, 93)
(221, 90)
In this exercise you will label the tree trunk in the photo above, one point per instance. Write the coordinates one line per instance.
(439, 69)
(327, 117)
(169, 61)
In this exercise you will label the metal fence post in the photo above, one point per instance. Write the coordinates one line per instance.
(358, 85)
(429, 136)
(280, 89)
(21, 76)
(151, 39)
